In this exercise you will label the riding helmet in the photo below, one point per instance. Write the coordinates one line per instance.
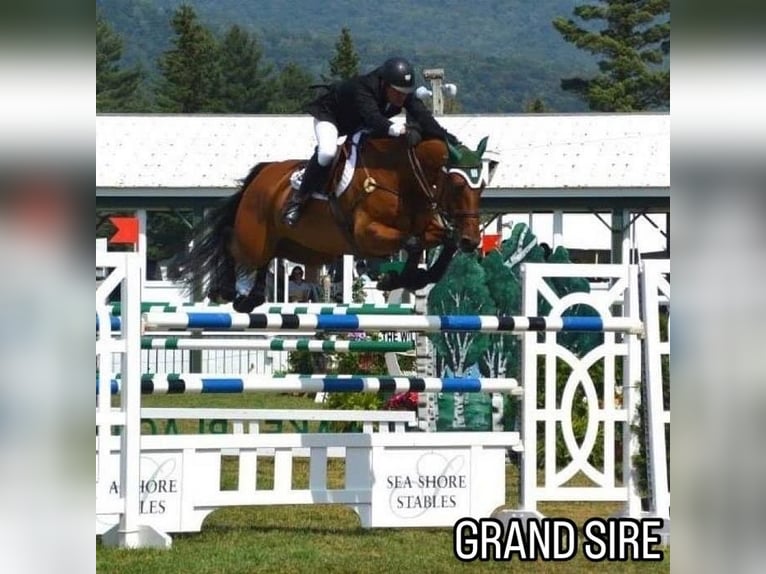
(399, 74)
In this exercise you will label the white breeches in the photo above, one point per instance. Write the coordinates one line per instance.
(327, 141)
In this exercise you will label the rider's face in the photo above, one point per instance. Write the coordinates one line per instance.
(395, 97)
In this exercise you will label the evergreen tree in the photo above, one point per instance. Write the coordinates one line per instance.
(190, 70)
(116, 88)
(345, 63)
(246, 82)
(633, 44)
(536, 106)
(291, 90)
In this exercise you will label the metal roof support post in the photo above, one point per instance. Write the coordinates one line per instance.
(558, 229)
(621, 251)
(348, 278)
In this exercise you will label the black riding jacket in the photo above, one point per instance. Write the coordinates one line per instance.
(360, 102)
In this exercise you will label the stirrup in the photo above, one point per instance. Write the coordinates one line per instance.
(291, 215)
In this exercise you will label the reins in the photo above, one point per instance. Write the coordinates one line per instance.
(370, 184)
(420, 177)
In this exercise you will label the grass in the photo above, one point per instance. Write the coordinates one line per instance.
(327, 538)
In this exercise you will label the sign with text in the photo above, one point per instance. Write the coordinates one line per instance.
(418, 487)
(159, 487)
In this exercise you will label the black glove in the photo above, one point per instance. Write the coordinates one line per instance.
(413, 137)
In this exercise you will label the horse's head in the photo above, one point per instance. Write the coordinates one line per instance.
(461, 190)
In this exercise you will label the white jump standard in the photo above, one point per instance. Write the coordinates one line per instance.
(148, 486)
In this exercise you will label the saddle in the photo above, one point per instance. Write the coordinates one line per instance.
(341, 171)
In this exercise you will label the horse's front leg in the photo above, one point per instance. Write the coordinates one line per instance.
(412, 276)
(445, 238)
(439, 267)
(378, 239)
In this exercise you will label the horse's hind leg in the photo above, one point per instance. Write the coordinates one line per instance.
(256, 296)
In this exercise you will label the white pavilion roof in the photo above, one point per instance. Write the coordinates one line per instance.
(536, 152)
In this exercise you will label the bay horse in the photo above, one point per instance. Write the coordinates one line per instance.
(398, 197)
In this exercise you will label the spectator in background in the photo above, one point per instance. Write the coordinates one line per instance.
(298, 290)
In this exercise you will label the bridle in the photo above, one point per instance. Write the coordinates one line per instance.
(435, 200)
(444, 180)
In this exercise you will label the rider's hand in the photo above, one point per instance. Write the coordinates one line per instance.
(396, 130)
(413, 137)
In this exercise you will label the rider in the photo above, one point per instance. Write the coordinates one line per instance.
(365, 101)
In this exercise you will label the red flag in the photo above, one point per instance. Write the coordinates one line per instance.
(489, 242)
(127, 230)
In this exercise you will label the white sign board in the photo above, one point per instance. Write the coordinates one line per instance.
(416, 487)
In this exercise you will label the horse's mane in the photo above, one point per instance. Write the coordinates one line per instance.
(386, 145)
(253, 174)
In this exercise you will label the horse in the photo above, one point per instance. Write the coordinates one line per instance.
(398, 197)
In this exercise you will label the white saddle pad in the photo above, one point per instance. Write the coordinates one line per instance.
(345, 179)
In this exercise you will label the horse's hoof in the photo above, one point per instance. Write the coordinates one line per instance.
(228, 293)
(417, 280)
(246, 303)
(413, 244)
(221, 294)
(389, 281)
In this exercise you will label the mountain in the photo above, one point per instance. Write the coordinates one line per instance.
(502, 54)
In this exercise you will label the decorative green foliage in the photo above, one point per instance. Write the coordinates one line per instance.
(357, 364)
(579, 414)
(462, 290)
(494, 286)
(520, 247)
(501, 357)
(307, 363)
(640, 460)
(633, 43)
(191, 73)
(353, 402)
(578, 343)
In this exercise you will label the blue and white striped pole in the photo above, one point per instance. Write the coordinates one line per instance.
(194, 383)
(310, 345)
(419, 323)
(289, 308)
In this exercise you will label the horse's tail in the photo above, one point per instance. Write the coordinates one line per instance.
(208, 263)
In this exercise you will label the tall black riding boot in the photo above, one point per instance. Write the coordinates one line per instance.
(313, 180)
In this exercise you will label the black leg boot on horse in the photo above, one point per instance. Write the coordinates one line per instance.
(314, 179)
